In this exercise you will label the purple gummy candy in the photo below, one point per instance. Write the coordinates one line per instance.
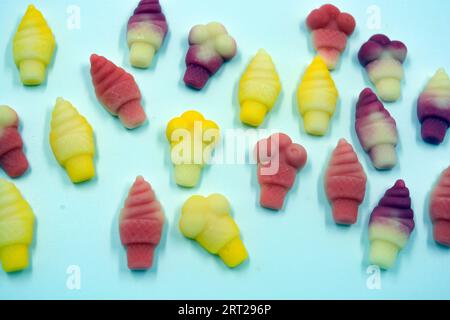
(149, 11)
(198, 70)
(377, 45)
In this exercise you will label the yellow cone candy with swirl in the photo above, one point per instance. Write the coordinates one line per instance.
(16, 228)
(33, 47)
(72, 141)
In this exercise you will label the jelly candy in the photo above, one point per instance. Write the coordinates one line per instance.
(208, 221)
(440, 209)
(259, 89)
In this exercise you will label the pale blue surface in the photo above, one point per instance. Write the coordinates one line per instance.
(298, 253)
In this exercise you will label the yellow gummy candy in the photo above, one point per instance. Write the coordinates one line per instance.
(16, 228)
(33, 47)
(192, 139)
(72, 141)
(208, 221)
(317, 98)
(259, 89)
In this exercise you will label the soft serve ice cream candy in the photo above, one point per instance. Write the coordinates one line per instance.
(440, 209)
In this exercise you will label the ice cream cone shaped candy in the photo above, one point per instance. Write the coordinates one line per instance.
(192, 139)
(440, 209)
(33, 47)
(16, 228)
(210, 46)
(345, 183)
(147, 29)
(317, 98)
(383, 60)
(117, 90)
(390, 226)
(279, 160)
(433, 108)
(208, 221)
(376, 130)
(330, 29)
(12, 157)
(141, 225)
(259, 89)
(72, 141)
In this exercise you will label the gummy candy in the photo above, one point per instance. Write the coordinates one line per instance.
(330, 29)
(117, 90)
(192, 139)
(433, 108)
(376, 130)
(317, 98)
(383, 60)
(390, 226)
(33, 47)
(141, 225)
(259, 89)
(72, 141)
(16, 228)
(279, 160)
(208, 221)
(12, 158)
(147, 29)
(440, 209)
(209, 47)
(345, 183)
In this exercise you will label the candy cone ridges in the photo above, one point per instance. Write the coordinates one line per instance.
(376, 130)
(383, 60)
(330, 29)
(16, 228)
(345, 183)
(147, 29)
(317, 98)
(440, 209)
(210, 46)
(72, 141)
(117, 90)
(141, 225)
(12, 158)
(390, 226)
(33, 47)
(279, 160)
(208, 221)
(433, 108)
(259, 89)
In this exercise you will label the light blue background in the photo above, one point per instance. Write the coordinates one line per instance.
(297, 253)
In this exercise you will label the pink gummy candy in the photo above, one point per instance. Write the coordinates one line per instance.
(279, 160)
(330, 29)
(12, 157)
(345, 183)
(141, 225)
(440, 209)
(117, 90)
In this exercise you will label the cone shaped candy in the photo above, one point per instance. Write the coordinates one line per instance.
(209, 47)
(317, 98)
(147, 29)
(192, 139)
(12, 158)
(117, 91)
(33, 47)
(376, 130)
(433, 108)
(72, 141)
(440, 209)
(141, 225)
(16, 228)
(345, 183)
(259, 89)
(330, 29)
(383, 60)
(279, 160)
(208, 221)
(390, 226)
